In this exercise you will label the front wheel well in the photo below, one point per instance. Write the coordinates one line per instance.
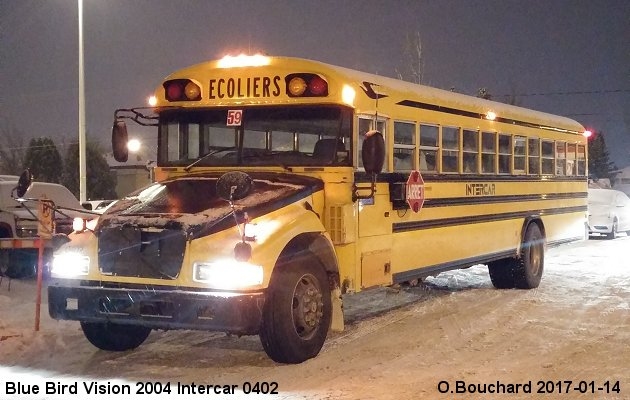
(309, 245)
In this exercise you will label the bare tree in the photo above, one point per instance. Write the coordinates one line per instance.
(12, 149)
(412, 69)
(483, 93)
(513, 98)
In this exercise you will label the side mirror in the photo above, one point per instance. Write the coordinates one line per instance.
(373, 157)
(234, 185)
(119, 141)
(373, 152)
(23, 183)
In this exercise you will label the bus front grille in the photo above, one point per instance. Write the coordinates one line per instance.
(129, 251)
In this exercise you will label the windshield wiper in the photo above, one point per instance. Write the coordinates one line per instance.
(213, 152)
(269, 155)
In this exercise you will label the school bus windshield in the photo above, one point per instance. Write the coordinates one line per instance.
(256, 136)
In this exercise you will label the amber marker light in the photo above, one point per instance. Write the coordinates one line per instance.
(297, 86)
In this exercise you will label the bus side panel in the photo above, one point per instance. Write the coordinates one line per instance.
(425, 248)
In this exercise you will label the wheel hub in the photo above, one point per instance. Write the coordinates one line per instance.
(307, 307)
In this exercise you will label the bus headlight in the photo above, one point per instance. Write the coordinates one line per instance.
(69, 264)
(228, 274)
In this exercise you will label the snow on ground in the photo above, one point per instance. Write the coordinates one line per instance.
(404, 343)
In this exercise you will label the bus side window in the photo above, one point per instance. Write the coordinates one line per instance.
(548, 159)
(571, 167)
(581, 160)
(404, 146)
(470, 143)
(366, 124)
(561, 158)
(533, 156)
(505, 153)
(450, 149)
(428, 147)
(488, 152)
(519, 154)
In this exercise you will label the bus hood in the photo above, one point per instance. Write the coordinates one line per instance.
(191, 203)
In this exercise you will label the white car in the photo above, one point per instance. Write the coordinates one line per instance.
(98, 206)
(608, 212)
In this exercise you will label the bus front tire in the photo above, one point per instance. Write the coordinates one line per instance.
(297, 313)
(114, 337)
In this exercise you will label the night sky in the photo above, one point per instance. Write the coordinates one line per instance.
(566, 57)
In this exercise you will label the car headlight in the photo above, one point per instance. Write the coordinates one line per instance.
(228, 274)
(81, 224)
(70, 264)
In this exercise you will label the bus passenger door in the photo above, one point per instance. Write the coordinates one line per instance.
(375, 230)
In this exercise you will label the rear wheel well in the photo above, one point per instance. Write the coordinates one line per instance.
(533, 220)
(5, 231)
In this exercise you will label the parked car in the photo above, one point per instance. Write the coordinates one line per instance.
(608, 212)
(98, 206)
(19, 224)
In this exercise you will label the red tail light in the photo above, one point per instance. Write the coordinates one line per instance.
(182, 90)
(306, 85)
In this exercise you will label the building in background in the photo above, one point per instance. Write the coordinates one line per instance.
(131, 175)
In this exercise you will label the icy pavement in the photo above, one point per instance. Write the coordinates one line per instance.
(400, 343)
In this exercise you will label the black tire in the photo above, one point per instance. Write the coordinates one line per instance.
(297, 312)
(4, 262)
(502, 273)
(614, 231)
(114, 337)
(531, 263)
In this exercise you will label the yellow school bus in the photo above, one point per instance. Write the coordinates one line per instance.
(285, 184)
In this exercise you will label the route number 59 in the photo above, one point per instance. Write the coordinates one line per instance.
(234, 117)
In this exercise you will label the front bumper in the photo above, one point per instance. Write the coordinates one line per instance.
(158, 308)
(600, 228)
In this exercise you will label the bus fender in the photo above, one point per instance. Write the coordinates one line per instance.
(320, 245)
(532, 219)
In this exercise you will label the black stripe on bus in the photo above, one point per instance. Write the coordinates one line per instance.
(401, 177)
(459, 201)
(477, 219)
(420, 273)
(470, 114)
(424, 272)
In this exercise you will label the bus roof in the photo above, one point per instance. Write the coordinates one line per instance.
(387, 89)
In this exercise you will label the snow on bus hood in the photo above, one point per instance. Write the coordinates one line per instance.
(192, 204)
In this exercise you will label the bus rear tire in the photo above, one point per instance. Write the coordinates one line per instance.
(297, 312)
(530, 265)
(502, 273)
(114, 337)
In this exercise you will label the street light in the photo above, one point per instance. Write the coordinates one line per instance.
(82, 165)
(133, 145)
